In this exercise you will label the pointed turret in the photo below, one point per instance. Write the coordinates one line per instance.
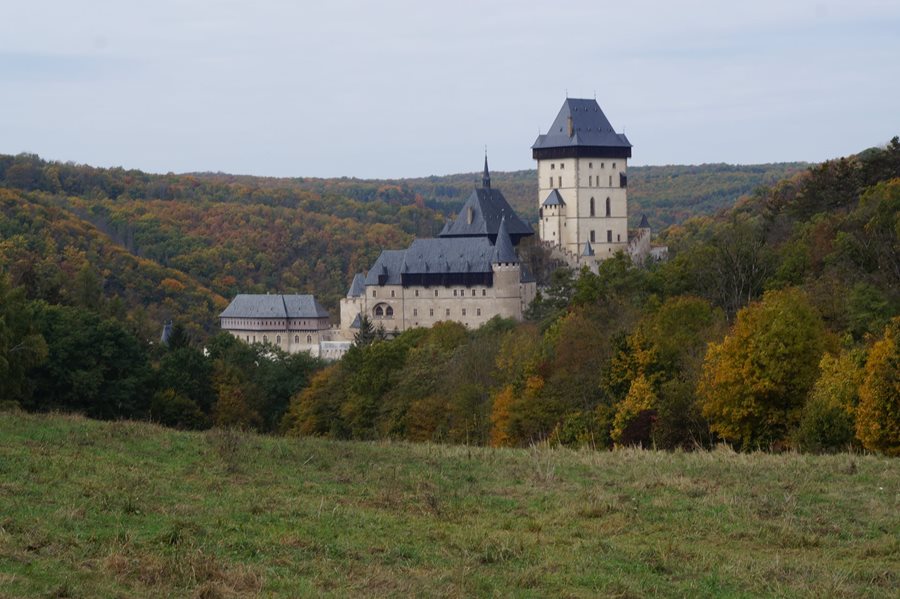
(503, 248)
(486, 177)
(644, 224)
(588, 250)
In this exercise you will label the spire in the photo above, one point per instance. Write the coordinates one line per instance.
(644, 224)
(503, 247)
(588, 250)
(486, 178)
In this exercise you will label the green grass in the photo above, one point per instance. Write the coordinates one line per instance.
(94, 509)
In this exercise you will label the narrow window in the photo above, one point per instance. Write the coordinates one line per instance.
(454, 293)
(309, 338)
(593, 237)
(417, 293)
(560, 181)
(473, 293)
(562, 165)
(484, 292)
(610, 180)
(373, 293)
(551, 181)
(608, 208)
(435, 292)
(265, 338)
(618, 237)
(602, 165)
(254, 338)
(590, 165)
(592, 206)
(415, 311)
(296, 338)
(278, 339)
(389, 312)
(392, 293)
(430, 311)
(552, 166)
(448, 311)
(478, 311)
(608, 236)
(614, 165)
(379, 311)
(463, 311)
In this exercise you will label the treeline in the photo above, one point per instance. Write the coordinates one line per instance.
(775, 325)
(75, 359)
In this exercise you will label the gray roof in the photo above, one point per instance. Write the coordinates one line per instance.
(644, 224)
(525, 275)
(590, 127)
(358, 286)
(442, 255)
(503, 247)
(387, 264)
(554, 199)
(357, 322)
(488, 207)
(274, 306)
(588, 250)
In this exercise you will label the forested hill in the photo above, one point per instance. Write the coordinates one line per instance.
(160, 247)
(666, 194)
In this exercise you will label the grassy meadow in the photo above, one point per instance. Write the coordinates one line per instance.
(100, 509)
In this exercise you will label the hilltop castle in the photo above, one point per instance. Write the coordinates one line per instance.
(471, 271)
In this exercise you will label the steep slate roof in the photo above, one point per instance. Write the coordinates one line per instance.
(503, 247)
(644, 224)
(357, 322)
(554, 199)
(488, 208)
(274, 306)
(388, 264)
(588, 250)
(590, 127)
(450, 255)
(358, 286)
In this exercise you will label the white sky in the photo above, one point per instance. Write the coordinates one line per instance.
(409, 88)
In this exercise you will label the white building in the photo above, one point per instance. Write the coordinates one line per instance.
(291, 322)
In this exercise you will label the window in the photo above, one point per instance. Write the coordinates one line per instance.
(417, 293)
(618, 237)
(296, 338)
(254, 338)
(392, 293)
(430, 311)
(278, 339)
(593, 237)
(484, 292)
(265, 338)
(551, 181)
(590, 180)
(560, 181)
(592, 206)
(608, 207)
(608, 236)
(602, 165)
(248, 338)
(415, 311)
(590, 165)
(463, 311)
(373, 293)
(448, 311)
(478, 311)
(454, 293)
(562, 165)
(473, 293)
(379, 311)
(309, 338)
(610, 180)
(435, 292)
(614, 165)
(552, 166)
(389, 312)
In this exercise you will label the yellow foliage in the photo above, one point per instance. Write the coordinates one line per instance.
(878, 414)
(500, 417)
(640, 398)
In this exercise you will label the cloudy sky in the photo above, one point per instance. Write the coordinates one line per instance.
(410, 88)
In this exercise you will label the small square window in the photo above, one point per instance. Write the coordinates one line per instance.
(552, 166)
(562, 165)
(590, 165)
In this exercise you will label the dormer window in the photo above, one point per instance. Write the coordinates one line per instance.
(470, 215)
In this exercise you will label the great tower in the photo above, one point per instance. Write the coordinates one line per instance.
(582, 182)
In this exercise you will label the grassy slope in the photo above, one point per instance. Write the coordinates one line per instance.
(91, 509)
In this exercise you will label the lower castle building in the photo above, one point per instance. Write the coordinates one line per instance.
(470, 273)
(292, 323)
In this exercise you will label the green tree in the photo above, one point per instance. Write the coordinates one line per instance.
(21, 345)
(755, 381)
(827, 423)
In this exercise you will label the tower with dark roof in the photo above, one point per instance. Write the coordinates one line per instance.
(582, 181)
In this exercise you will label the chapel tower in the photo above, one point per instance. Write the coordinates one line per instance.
(582, 182)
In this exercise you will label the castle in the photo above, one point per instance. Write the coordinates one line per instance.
(471, 271)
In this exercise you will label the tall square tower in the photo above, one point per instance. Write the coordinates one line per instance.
(583, 181)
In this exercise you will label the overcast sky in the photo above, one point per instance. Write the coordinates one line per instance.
(396, 88)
